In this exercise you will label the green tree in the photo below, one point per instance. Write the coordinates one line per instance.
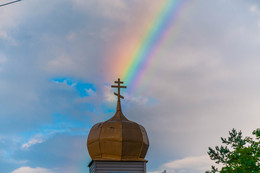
(238, 154)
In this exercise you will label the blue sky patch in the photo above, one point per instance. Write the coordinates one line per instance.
(83, 89)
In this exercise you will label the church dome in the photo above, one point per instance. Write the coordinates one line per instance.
(118, 138)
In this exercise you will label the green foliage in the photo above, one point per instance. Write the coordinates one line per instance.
(238, 155)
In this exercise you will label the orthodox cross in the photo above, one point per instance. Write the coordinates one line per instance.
(118, 86)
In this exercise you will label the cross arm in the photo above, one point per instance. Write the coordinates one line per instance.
(122, 97)
(119, 82)
(116, 86)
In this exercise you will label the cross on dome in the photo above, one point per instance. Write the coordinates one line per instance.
(118, 86)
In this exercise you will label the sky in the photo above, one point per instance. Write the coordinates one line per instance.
(191, 67)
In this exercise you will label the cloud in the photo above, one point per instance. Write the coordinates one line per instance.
(90, 92)
(3, 35)
(32, 170)
(189, 164)
(11, 17)
(32, 142)
(65, 152)
(60, 63)
(61, 125)
(254, 9)
(3, 60)
(112, 9)
(141, 100)
(205, 76)
(109, 94)
(130, 99)
(84, 89)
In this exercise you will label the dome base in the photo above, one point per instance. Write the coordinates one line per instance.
(117, 166)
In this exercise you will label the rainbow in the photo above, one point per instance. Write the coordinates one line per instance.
(155, 35)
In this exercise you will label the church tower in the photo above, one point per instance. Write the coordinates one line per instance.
(118, 144)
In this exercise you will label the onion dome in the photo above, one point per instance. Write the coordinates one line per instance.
(118, 138)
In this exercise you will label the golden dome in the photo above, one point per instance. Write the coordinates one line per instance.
(118, 138)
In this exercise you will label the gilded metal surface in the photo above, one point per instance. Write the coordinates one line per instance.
(118, 138)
